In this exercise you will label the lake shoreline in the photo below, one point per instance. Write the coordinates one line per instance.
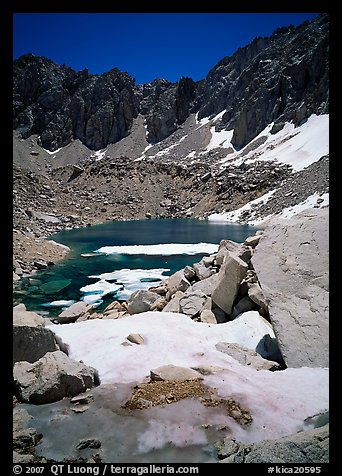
(165, 245)
(157, 343)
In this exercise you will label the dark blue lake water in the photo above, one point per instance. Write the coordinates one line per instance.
(124, 257)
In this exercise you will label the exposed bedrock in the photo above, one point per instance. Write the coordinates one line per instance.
(291, 262)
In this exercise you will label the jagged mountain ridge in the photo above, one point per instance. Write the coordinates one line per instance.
(276, 79)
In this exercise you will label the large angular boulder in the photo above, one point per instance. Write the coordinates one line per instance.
(231, 273)
(255, 294)
(193, 303)
(292, 265)
(173, 304)
(52, 378)
(141, 301)
(246, 356)
(74, 312)
(202, 271)
(226, 246)
(31, 339)
(177, 282)
(206, 285)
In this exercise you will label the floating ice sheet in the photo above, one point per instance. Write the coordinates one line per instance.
(161, 249)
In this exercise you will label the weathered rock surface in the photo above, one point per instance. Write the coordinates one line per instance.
(22, 458)
(224, 247)
(245, 304)
(141, 301)
(311, 446)
(292, 264)
(275, 68)
(246, 356)
(208, 317)
(173, 304)
(52, 378)
(31, 340)
(25, 437)
(205, 285)
(173, 372)
(192, 304)
(256, 295)
(177, 282)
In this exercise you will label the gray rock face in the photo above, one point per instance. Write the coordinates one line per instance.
(291, 261)
(61, 104)
(277, 79)
(21, 458)
(271, 77)
(135, 338)
(244, 305)
(51, 378)
(256, 295)
(31, 340)
(166, 106)
(202, 271)
(310, 446)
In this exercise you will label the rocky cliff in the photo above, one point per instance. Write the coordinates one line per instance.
(276, 79)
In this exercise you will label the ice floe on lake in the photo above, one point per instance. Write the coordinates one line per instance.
(165, 249)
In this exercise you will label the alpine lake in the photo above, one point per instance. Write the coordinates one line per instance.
(130, 261)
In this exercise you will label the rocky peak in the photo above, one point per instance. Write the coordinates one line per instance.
(269, 80)
(276, 79)
(172, 107)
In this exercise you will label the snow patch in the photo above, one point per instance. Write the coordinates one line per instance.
(202, 121)
(303, 146)
(165, 249)
(93, 299)
(169, 338)
(189, 343)
(102, 287)
(52, 152)
(235, 215)
(310, 202)
(190, 155)
(219, 139)
(298, 147)
(99, 154)
(127, 276)
(219, 115)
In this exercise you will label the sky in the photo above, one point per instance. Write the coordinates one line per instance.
(146, 45)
